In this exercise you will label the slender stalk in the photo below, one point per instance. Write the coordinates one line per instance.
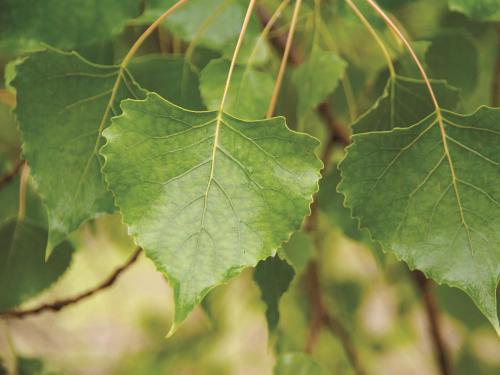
(236, 53)
(139, 42)
(8, 98)
(284, 60)
(375, 36)
(264, 34)
(60, 304)
(23, 182)
(6, 178)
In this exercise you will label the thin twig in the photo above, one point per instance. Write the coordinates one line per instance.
(58, 305)
(340, 132)
(284, 59)
(432, 313)
(6, 178)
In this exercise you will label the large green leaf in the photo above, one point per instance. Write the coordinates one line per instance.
(317, 78)
(273, 276)
(483, 10)
(437, 210)
(298, 364)
(170, 76)
(63, 23)
(61, 108)
(405, 102)
(242, 100)
(24, 272)
(206, 194)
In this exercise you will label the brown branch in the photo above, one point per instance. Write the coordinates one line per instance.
(322, 318)
(6, 178)
(58, 305)
(432, 313)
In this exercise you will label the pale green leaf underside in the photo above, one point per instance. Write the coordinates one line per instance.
(206, 198)
(298, 364)
(399, 184)
(64, 23)
(405, 102)
(483, 10)
(249, 94)
(61, 103)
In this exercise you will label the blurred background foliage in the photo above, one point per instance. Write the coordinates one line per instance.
(372, 295)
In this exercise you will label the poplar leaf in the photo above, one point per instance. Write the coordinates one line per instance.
(206, 194)
(62, 103)
(242, 100)
(63, 23)
(273, 276)
(482, 10)
(437, 209)
(24, 272)
(405, 102)
(317, 78)
(298, 364)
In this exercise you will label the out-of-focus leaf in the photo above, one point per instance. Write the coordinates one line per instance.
(482, 10)
(62, 23)
(170, 76)
(298, 364)
(249, 93)
(299, 250)
(317, 78)
(23, 270)
(206, 194)
(453, 56)
(331, 203)
(273, 276)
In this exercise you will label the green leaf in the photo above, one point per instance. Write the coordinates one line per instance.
(242, 100)
(23, 270)
(299, 250)
(206, 194)
(298, 364)
(170, 76)
(63, 23)
(482, 10)
(437, 210)
(317, 78)
(61, 108)
(405, 101)
(454, 57)
(273, 276)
